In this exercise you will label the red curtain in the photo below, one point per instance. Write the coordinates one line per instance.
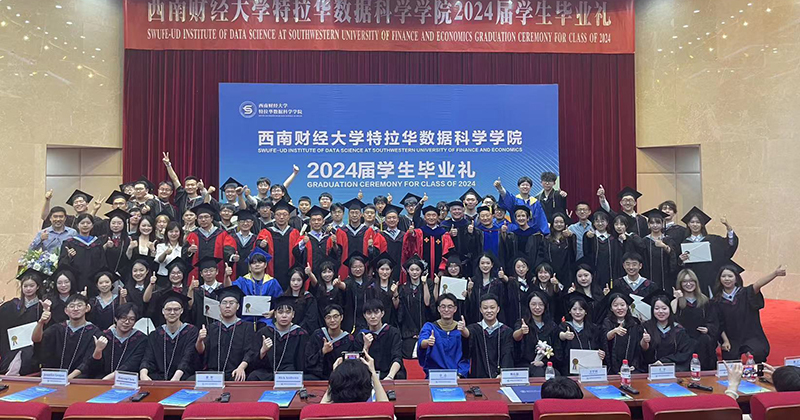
(171, 102)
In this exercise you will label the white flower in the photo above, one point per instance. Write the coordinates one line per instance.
(37, 266)
(53, 258)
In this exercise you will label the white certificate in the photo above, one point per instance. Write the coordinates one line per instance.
(256, 305)
(211, 308)
(453, 285)
(144, 325)
(117, 287)
(639, 309)
(698, 251)
(583, 359)
(19, 337)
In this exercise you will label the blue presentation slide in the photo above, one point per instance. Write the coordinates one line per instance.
(387, 139)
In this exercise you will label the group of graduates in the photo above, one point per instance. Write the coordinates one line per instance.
(538, 284)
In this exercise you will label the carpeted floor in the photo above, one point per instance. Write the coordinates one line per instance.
(779, 319)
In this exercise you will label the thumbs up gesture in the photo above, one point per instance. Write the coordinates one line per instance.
(85, 291)
(646, 337)
(153, 278)
(393, 288)
(453, 231)
(431, 340)
(370, 242)
(368, 338)
(266, 344)
(45, 235)
(569, 335)
(202, 334)
(601, 192)
(470, 228)
(524, 328)
(46, 304)
(412, 230)
(360, 195)
(554, 281)
(461, 325)
(677, 294)
(327, 346)
(497, 184)
(100, 343)
(502, 275)
(308, 269)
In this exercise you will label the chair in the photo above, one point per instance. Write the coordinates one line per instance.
(349, 411)
(588, 409)
(775, 406)
(24, 411)
(233, 411)
(126, 411)
(469, 410)
(701, 407)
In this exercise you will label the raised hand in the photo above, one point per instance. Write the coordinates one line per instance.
(85, 291)
(469, 286)
(620, 331)
(235, 257)
(100, 343)
(109, 244)
(195, 284)
(460, 325)
(45, 317)
(504, 229)
(389, 198)
(424, 277)
(368, 338)
(569, 335)
(266, 344)
(780, 271)
(412, 230)
(524, 327)
(436, 279)
(453, 231)
(502, 275)
(228, 270)
(601, 192)
(97, 203)
(44, 235)
(308, 270)
(239, 190)
(684, 256)
(566, 232)
(46, 304)
(145, 209)
(165, 158)
(123, 293)
(424, 198)
(192, 249)
(327, 346)
(211, 189)
(554, 281)
(202, 334)
(295, 169)
(677, 294)
(431, 340)
(590, 234)
(470, 228)
(247, 191)
(606, 290)
(497, 184)
(563, 193)
(393, 288)
(264, 244)
(71, 252)
(48, 194)
(133, 244)
(153, 278)
(360, 195)
(646, 337)
(370, 242)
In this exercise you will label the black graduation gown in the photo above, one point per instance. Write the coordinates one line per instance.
(126, 356)
(198, 310)
(386, 349)
(183, 202)
(354, 297)
(637, 224)
(318, 250)
(495, 287)
(165, 355)
(89, 258)
(674, 346)
(607, 259)
(721, 254)
(525, 350)
(691, 317)
(626, 347)
(659, 266)
(57, 314)
(244, 248)
(280, 255)
(644, 289)
(136, 297)
(154, 308)
(676, 232)
(741, 321)
(587, 339)
(516, 305)
(288, 353)
(61, 348)
(328, 297)
(320, 365)
(394, 247)
(306, 312)
(102, 317)
(561, 256)
(227, 347)
(375, 291)
(14, 314)
(497, 348)
(553, 203)
(413, 315)
(463, 242)
(116, 259)
(527, 243)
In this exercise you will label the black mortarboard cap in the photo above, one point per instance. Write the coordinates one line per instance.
(77, 193)
(629, 191)
(207, 262)
(204, 208)
(415, 259)
(385, 256)
(355, 255)
(704, 218)
(246, 214)
(470, 191)
(230, 291)
(430, 208)
(410, 195)
(454, 204)
(283, 205)
(526, 209)
(115, 195)
(483, 208)
(173, 296)
(354, 204)
(739, 269)
(231, 182)
(452, 256)
(572, 297)
(180, 263)
(391, 208)
(147, 183)
(654, 213)
(284, 301)
(122, 214)
(314, 210)
(36, 275)
(650, 299)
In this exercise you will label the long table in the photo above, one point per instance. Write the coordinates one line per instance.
(409, 393)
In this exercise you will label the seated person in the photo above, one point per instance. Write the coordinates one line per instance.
(170, 353)
(353, 381)
(382, 341)
(490, 342)
(785, 378)
(561, 388)
(120, 347)
(281, 345)
(227, 345)
(327, 344)
(440, 342)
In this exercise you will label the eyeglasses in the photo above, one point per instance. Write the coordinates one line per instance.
(76, 306)
(227, 303)
(332, 317)
(537, 305)
(128, 320)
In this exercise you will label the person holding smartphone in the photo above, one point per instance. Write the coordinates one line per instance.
(353, 380)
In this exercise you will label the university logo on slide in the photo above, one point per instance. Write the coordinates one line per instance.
(247, 109)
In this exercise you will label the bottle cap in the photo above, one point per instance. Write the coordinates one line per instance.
(694, 355)
(625, 361)
(549, 364)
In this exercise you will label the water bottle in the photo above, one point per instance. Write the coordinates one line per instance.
(695, 368)
(749, 370)
(625, 374)
(549, 373)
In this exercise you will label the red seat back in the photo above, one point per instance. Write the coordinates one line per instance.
(127, 411)
(353, 411)
(232, 411)
(468, 410)
(775, 406)
(588, 409)
(701, 407)
(24, 411)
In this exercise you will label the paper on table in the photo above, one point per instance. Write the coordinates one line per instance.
(256, 305)
(211, 308)
(698, 251)
(639, 309)
(510, 394)
(20, 337)
(583, 359)
(144, 325)
(453, 285)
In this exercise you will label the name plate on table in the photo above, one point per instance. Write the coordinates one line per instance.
(722, 371)
(514, 377)
(792, 361)
(56, 377)
(661, 372)
(126, 380)
(289, 380)
(209, 380)
(442, 377)
(594, 375)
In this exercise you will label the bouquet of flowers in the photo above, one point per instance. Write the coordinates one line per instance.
(543, 350)
(39, 260)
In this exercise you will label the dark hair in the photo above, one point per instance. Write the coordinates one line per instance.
(652, 325)
(57, 209)
(600, 215)
(380, 199)
(561, 388)
(546, 267)
(492, 258)
(718, 284)
(372, 305)
(350, 382)
(491, 197)
(446, 296)
(629, 319)
(442, 205)
(489, 296)
(263, 203)
(304, 198)
(583, 304)
(332, 307)
(382, 262)
(337, 206)
(125, 309)
(630, 255)
(170, 226)
(325, 194)
(70, 275)
(549, 176)
(254, 258)
(79, 218)
(525, 179)
(669, 204)
(190, 178)
(370, 207)
(101, 273)
(228, 206)
(546, 315)
(786, 379)
(625, 220)
(137, 209)
(329, 265)
(262, 180)
(167, 183)
(583, 203)
(282, 188)
(76, 296)
(303, 278)
(152, 235)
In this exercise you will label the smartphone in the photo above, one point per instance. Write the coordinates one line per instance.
(353, 355)
(140, 396)
(760, 370)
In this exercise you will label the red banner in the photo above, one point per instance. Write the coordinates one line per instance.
(525, 26)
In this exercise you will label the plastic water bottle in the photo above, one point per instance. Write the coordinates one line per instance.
(695, 368)
(549, 372)
(749, 370)
(625, 374)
